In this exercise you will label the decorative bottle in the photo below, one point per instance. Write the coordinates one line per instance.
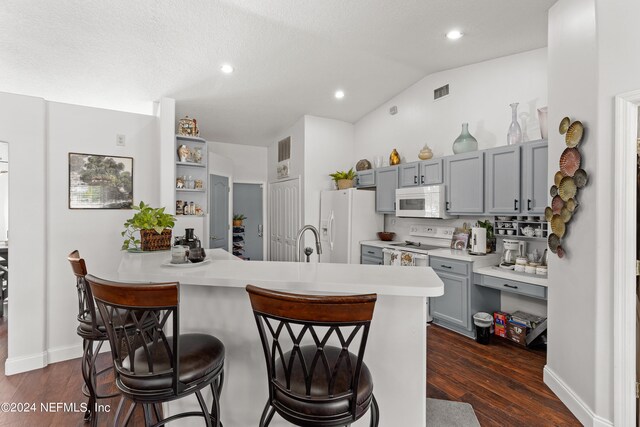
(514, 136)
(465, 142)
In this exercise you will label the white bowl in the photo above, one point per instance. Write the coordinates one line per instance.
(519, 268)
(529, 269)
(509, 232)
(501, 231)
(542, 270)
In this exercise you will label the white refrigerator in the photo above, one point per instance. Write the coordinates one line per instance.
(347, 217)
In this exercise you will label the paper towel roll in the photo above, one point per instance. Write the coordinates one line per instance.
(479, 240)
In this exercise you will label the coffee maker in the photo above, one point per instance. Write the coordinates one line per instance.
(512, 249)
(189, 239)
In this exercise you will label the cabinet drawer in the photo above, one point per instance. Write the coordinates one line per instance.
(369, 260)
(514, 286)
(450, 266)
(371, 251)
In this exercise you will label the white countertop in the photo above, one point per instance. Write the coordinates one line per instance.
(478, 260)
(227, 271)
(512, 275)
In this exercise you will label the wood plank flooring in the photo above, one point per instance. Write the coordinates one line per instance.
(502, 381)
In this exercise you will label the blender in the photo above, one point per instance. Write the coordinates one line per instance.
(512, 249)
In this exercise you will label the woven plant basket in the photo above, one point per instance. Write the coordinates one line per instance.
(343, 184)
(150, 240)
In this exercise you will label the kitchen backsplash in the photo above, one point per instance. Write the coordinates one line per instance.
(400, 226)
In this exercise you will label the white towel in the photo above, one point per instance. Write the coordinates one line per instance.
(407, 259)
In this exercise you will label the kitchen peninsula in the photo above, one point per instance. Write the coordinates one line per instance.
(213, 300)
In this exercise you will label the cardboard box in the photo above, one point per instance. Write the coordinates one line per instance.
(500, 331)
(500, 320)
(517, 333)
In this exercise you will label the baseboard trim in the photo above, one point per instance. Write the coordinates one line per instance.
(60, 354)
(17, 365)
(576, 405)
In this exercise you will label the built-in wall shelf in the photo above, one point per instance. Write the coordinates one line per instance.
(191, 165)
(195, 168)
(502, 228)
(188, 190)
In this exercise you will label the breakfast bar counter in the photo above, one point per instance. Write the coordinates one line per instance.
(213, 300)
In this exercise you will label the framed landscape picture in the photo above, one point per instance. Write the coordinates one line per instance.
(100, 182)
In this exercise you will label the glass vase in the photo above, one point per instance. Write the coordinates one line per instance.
(514, 136)
(465, 142)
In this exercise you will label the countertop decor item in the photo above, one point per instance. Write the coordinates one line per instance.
(542, 121)
(363, 165)
(188, 127)
(386, 236)
(154, 227)
(343, 179)
(567, 183)
(425, 153)
(465, 142)
(183, 153)
(394, 158)
(514, 135)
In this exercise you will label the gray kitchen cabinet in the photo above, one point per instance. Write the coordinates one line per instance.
(408, 175)
(464, 178)
(365, 178)
(386, 185)
(431, 172)
(461, 299)
(502, 175)
(371, 255)
(534, 177)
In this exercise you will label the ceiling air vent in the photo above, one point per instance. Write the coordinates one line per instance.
(440, 92)
(284, 149)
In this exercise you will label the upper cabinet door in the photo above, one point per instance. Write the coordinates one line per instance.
(535, 185)
(409, 174)
(386, 185)
(502, 167)
(465, 183)
(431, 172)
(365, 178)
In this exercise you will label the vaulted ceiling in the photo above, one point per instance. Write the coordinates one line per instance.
(289, 56)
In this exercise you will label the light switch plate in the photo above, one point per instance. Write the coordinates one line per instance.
(120, 140)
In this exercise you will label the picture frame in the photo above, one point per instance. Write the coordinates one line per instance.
(98, 181)
(459, 241)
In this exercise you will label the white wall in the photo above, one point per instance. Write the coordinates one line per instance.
(328, 147)
(249, 163)
(480, 94)
(95, 233)
(22, 125)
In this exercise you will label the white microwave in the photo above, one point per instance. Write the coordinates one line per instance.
(422, 202)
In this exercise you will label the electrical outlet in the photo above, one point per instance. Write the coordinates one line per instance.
(120, 140)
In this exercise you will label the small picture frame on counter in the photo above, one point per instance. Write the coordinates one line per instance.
(459, 241)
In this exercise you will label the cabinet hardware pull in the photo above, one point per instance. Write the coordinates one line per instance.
(415, 179)
(380, 263)
(528, 204)
(515, 204)
(422, 179)
(447, 206)
(511, 286)
(370, 252)
(447, 266)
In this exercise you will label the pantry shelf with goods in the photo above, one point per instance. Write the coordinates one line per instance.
(191, 173)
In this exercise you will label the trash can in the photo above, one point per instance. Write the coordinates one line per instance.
(483, 322)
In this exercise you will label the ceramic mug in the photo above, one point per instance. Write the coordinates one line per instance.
(510, 232)
(179, 254)
(538, 232)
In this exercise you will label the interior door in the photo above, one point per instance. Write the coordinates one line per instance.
(219, 218)
(284, 219)
(247, 200)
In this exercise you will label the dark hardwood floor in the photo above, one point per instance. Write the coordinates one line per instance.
(502, 381)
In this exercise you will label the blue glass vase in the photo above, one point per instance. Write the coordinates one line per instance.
(465, 142)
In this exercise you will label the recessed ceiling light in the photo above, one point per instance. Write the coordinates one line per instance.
(454, 35)
(339, 94)
(227, 69)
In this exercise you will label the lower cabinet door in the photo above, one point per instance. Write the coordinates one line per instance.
(453, 306)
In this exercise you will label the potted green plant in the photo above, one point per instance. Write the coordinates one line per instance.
(237, 220)
(344, 179)
(154, 226)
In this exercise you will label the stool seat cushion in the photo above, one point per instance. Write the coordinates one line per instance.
(200, 355)
(319, 384)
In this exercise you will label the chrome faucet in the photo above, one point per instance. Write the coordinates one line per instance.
(299, 239)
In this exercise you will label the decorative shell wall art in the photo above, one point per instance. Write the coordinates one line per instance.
(568, 182)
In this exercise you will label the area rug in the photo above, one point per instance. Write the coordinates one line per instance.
(444, 413)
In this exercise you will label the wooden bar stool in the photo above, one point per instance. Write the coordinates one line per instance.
(150, 367)
(91, 329)
(313, 378)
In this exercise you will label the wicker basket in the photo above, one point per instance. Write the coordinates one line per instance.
(150, 240)
(343, 184)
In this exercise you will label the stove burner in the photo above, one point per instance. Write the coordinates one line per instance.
(415, 245)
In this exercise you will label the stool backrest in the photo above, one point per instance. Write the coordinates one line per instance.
(317, 320)
(136, 316)
(86, 307)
